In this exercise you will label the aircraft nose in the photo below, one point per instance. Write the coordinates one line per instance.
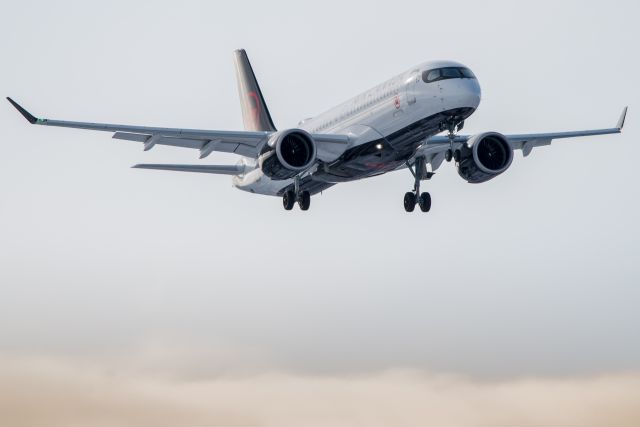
(471, 92)
(462, 93)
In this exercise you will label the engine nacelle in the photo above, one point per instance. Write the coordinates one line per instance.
(287, 153)
(484, 157)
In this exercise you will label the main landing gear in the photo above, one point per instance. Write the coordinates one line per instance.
(419, 171)
(290, 197)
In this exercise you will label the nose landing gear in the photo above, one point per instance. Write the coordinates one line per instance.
(451, 153)
(419, 171)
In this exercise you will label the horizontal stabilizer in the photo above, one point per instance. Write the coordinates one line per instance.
(215, 169)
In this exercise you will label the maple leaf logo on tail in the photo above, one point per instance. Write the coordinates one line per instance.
(254, 108)
(255, 113)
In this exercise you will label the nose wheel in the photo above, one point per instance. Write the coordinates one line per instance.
(451, 153)
(413, 198)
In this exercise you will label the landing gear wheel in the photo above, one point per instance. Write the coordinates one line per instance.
(448, 155)
(288, 200)
(456, 156)
(424, 201)
(409, 202)
(304, 201)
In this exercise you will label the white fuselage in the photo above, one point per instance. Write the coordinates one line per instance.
(399, 114)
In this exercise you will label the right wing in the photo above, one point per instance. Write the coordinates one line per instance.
(244, 143)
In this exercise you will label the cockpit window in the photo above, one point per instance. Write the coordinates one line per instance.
(467, 73)
(447, 73)
(450, 73)
(431, 76)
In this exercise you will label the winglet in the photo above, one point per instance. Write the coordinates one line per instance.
(622, 117)
(27, 115)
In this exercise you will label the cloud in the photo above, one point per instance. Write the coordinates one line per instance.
(44, 392)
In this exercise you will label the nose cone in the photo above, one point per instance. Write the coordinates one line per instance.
(461, 93)
(470, 93)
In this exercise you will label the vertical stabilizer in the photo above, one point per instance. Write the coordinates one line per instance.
(255, 114)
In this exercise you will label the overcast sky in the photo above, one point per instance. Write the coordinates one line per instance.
(533, 273)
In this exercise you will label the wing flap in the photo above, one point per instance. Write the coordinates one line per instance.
(528, 146)
(245, 150)
(137, 137)
(179, 142)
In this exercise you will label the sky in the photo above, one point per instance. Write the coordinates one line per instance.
(162, 285)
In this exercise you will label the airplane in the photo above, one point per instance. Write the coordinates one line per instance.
(395, 125)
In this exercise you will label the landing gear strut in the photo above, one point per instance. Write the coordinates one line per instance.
(290, 197)
(419, 171)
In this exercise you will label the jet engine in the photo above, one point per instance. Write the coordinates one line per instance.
(287, 153)
(484, 157)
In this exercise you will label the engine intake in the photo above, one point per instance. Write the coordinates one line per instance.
(484, 157)
(287, 153)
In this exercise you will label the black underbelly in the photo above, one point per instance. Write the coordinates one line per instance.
(385, 154)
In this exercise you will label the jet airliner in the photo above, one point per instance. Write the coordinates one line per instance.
(407, 122)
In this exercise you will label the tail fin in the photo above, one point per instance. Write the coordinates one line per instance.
(255, 114)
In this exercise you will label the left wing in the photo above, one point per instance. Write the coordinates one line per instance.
(527, 142)
(245, 143)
